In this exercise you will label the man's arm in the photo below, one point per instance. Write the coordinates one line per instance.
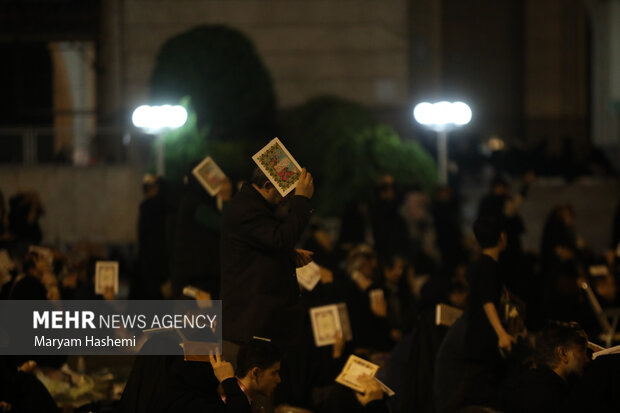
(236, 400)
(263, 229)
(505, 340)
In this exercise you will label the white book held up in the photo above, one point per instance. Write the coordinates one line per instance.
(309, 275)
(279, 166)
(328, 322)
(354, 368)
(446, 315)
(106, 276)
(210, 176)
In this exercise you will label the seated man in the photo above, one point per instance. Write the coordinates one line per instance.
(560, 353)
(258, 372)
(170, 384)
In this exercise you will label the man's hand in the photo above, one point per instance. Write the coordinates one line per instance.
(28, 367)
(5, 406)
(327, 276)
(338, 347)
(372, 390)
(302, 257)
(505, 342)
(222, 369)
(108, 294)
(225, 191)
(378, 306)
(305, 185)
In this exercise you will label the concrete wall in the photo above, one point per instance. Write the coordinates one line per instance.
(556, 101)
(594, 202)
(356, 49)
(96, 203)
(101, 203)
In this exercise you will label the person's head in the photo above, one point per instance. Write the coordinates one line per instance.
(264, 186)
(30, 264)
(566, 214)
(499, 186)
(258, 366)
(362, 258)
(394, 268)
(444, 194)
(563, 348)
(150, 185)
(490, 233)
(385, 188)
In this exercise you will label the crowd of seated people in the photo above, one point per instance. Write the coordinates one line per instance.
(397, 255)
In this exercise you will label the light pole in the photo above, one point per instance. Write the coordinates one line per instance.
(157, 119)
(442, 117)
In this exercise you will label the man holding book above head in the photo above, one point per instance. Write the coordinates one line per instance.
(259, 287)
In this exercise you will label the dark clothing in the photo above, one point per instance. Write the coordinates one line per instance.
(260, 293)
(479, 368)
(153, 254)
(485, 287)
(448, 232)
(615, 235)
(167, 384)
(492, 206)
(342, 400)
(25, 231)
(355, 227)
(413, 372)
(196, 245)
(369, 330)
(28, 288)
(537, 390)
(389, 229)
(449, 368)
(598, 390)
(23, 391)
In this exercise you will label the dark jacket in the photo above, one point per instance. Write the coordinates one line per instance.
(166, 384)
(537, 390)
(259, 287)
(196, 256)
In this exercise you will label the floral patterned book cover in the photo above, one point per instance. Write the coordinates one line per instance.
(279, 166)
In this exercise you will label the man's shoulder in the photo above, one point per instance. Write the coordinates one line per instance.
(484, 263)
(245, 203)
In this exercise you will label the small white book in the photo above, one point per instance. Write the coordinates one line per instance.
(279, 166)
(385, 388)
(210, 176)
(328, 322)
(354, 368)
(309, 275)
(446, 315)
(376, 296)
(598, 270)
(106, 276)
(610, 350)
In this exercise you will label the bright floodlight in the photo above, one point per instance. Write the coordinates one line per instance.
(442, 115)
(155, 118)
(461, 113)
(423, 113)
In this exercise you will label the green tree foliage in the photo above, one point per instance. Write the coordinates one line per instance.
(347, 151)
(230, 88)
(186, 146)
